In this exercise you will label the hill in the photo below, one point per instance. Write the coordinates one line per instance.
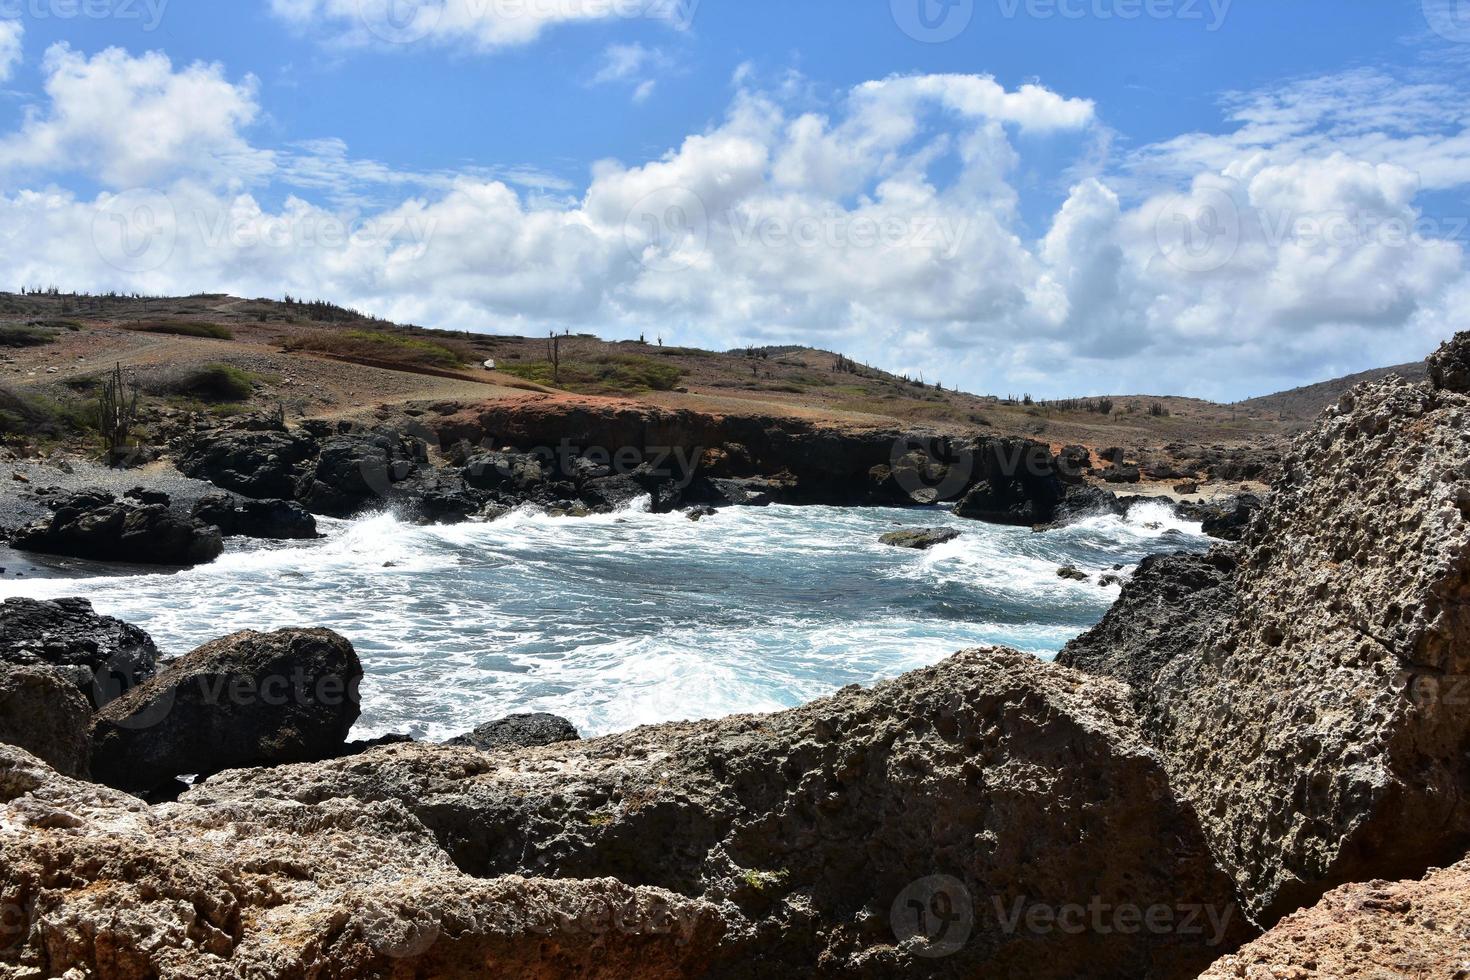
(1306, 403)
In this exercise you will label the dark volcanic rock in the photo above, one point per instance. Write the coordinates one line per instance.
(1321, 731)
(264, 465)
(1228, 519)
(247, 699)
(1122, 473)
(1083, 501)
(1016, 483)
(103, 657)
(42, 712)
(96, 527)
(272, 519)
(1165, 608)
(987, 783)
(357, 472)
(518, 732)
(920, 539)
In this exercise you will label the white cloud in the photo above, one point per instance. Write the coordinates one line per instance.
(11, 32)
(1261, 267)
(483, 25)
(633, 65)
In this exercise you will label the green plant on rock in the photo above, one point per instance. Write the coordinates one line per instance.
(117, 413)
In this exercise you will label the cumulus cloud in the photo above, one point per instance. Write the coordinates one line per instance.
(885, 225)
(483, 25)
(11, 32)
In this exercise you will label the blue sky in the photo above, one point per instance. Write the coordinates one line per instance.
(1033, 161)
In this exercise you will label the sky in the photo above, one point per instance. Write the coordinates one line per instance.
(1217, 198)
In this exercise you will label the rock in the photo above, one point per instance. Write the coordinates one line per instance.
(1072, 574)
(1320, 730)
(986, 789)
(97, 884)
(1375, 929)
(1083, 501)
(42, 711)
(1017, 484)
(518, 732)
(1187, 489)
(1072, 461)
(94, 526)
(145, 496)
(1108, 580)
(102, 657)
(354, 473)
(920, 539)
(271, 519)
(1164, 608)
(1449, 367)
(247, 699)
(506, 471)
(699, 512)
(610, 493)
(260, 464)
(1122, 473)
(1227, 519)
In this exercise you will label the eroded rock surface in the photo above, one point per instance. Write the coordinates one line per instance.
(102, 656)
(518, 732)
(42, 712)
(1372, 930)
(827, 834)
(94, 881)
(1323, 730)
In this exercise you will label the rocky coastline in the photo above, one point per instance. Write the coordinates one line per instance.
(1219, 780)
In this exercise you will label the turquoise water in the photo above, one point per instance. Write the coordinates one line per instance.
(616, 621)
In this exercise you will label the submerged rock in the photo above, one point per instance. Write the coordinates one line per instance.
(95, 526)
(247, 699)
(101, 656)
(987, 789)
(920, 539)
(95, 883)
(518, 732)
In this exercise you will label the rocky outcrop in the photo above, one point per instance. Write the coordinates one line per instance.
(518, 732)
(935, 825)
(102, 657)
(1321, 729)
(273, 519)
(1373, 929)
(920, 539)
(260, 464)
(1165, 608)
(1016, 482)
(1228, 519)
(42, 712)
(247, 699)
(94, 883)
(357, 472)
(95, 526)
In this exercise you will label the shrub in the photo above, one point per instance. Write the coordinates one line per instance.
(209, 383)
(380, 345)
(38, 417)
(184, 328)
(12, 336)
(612, 374)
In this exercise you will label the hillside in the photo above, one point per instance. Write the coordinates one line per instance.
(1305, 403)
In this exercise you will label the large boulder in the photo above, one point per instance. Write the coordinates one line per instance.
(518, 732)
(95, 526)
(101, 656)
(1321, 729)
(274, 519)
(1016, 482)
(1161, 614)
(247, 699)
(259, 464)
(93, 883)
(1369, 930)
(992, 815)
(42, 712)
(1227, 519)
(358, 472)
